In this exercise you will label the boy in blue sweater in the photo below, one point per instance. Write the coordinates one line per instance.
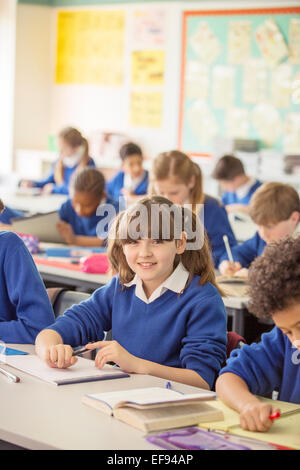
(82, 214)
(275, 208)
(164, 308)
(132, 181)
(7, 215)
(274, 363)
(238, 187)
(25, 308)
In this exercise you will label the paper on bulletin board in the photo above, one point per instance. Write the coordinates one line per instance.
(271, 42)
(239, 42)
(90, 47)
(291, 142)
(202, 122)
(281, 86)
(196, 80)
(149, 28)
(294, 41)
(205, 44)
(223, 86)
(266, 120)
(147, 67)
(237, 123)
(254, 87)
(146, 109)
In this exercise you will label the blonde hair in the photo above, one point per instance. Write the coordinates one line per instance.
(273, 202)
(74, 139)
(196, 262)
(177, 164)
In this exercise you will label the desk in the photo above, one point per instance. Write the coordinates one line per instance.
(38, 415)
(34, 204)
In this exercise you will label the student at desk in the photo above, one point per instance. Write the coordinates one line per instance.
(238, 187)
(164, 307)
(25, 308)
(7, 215)
(73, 155)
(275, 208)
(274, 363)
(82, 214)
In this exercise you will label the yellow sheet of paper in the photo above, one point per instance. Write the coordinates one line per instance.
(285, 431)
(90, 46)
(146, 109)
(147, 67)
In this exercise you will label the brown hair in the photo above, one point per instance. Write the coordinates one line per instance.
(179, 165)
(273, 202)
(274, 278)
(73, 138)
(88, 180)
(130, 149)
(1, 206)
(228, 168)
(196, 261)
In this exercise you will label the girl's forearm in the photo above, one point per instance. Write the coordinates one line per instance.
(45, 339)
(234, 392)
(186, 376)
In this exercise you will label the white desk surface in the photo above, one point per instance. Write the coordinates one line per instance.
(34, 204)
(38, 415)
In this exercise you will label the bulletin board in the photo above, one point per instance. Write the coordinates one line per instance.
(240, 78)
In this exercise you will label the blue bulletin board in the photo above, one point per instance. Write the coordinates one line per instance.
(240, 78)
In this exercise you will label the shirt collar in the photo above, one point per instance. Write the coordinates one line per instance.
(243, 190)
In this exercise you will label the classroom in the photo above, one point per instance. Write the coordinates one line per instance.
(149, 227)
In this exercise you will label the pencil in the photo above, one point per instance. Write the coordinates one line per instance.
(227, 246)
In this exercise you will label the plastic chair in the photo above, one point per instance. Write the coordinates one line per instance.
(234, 341)
(61, 299)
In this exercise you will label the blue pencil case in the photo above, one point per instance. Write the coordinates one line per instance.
(73, 252)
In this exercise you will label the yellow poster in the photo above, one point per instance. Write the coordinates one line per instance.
(146, 109)
(148, 67)
(90, 47)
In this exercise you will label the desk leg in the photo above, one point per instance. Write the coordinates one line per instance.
(238, 320)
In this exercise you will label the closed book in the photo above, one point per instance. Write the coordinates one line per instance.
(155, 408)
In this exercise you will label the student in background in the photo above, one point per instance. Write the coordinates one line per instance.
(25, 308)
(238, 187)
(275, 208)
(7, 215)
(165, 310)
(73, 155)
(272, 364)
(79, 219)
(132, 181)
(178, 178)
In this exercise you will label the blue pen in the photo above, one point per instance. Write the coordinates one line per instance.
(169, 387)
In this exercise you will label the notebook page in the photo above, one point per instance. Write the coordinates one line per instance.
(148, 396)
(84, 368)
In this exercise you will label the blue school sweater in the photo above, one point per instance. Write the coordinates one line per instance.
(87, 226)
(64, 187)
(217, 224)
(229, 197)
(8, 214)
(247, 251)
(25, 308)
(115, 185)
(186, 331)
(272, 364)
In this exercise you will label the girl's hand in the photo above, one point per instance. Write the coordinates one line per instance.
(58, 356)
(112, 351)
(48, 188)
(66, 232)
(228, 268)
(244, 272)
(255, 416)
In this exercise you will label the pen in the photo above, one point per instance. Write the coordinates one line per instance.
(80, 351)
(227, 246)
(169, 387)
(11, 377)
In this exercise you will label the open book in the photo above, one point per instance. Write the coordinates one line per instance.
(83, 371)
(155, 408)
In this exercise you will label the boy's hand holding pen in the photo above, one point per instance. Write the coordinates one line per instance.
(229, 267)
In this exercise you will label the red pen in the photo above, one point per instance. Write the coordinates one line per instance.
(275, 415)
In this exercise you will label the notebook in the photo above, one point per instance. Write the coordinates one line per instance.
(83, 371)
(42, 226)
(155, 408)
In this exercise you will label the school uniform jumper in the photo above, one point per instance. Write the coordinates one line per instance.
(25, 308)
(187, 330)
(272, 364)
(235, 197)
(8, 214)
(217, 224)
(64, 187)
(87, 226)
(115, 185)
(247, 251)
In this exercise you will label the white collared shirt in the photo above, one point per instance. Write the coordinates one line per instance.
(243, 190)
(175, 282)
(132, 184)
